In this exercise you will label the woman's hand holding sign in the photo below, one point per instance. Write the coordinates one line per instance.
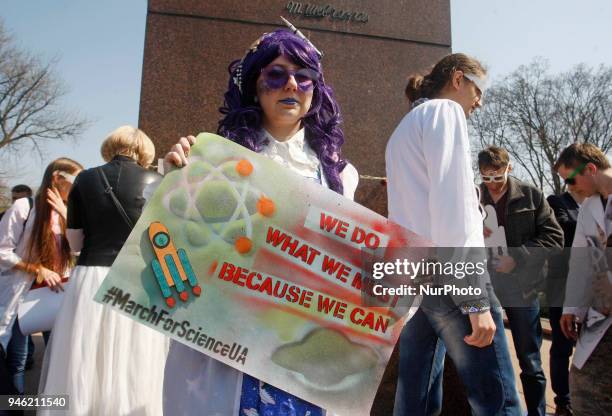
(178, 154)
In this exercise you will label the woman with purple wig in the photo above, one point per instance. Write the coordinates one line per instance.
(277, 104)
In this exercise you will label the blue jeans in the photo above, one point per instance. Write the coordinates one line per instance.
(439, 327)
(16, 355)
(560, 352)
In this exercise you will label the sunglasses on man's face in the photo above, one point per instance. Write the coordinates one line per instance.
(277, 76)
(495, 178)
(571, 179)
(477, 83)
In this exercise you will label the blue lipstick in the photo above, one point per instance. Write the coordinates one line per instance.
(289, 101)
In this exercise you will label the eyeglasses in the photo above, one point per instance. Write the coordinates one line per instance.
(277, 76)
(70, 178)
(481, 84)
(495, 178)
(571, 179)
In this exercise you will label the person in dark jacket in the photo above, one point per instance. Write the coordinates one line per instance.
(530, 225)
(107, 363)
(566, 209)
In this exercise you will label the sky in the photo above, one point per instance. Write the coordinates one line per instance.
(99, 48)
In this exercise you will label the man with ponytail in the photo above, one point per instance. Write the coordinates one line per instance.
(431, 192)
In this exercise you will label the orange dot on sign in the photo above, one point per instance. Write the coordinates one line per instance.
(243, 245)
(244, 168)
(266, 206)
(213, 267)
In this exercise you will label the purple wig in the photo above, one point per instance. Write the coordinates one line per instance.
(243, 116)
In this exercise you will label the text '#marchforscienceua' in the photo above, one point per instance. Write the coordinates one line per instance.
(247, 262)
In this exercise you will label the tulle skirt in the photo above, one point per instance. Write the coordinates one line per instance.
(107, 363)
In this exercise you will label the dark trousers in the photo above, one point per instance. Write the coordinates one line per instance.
(560, 352)
(6, 384)
(6, 378)
(527, 337)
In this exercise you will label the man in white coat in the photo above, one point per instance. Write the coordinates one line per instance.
(588, 300)
(431, 191)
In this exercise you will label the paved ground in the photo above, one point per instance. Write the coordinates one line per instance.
(550, 403)
(33, 375)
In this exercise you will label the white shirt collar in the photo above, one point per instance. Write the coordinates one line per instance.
(294, 153)
(297, 140)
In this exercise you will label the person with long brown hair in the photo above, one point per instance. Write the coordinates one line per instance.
(33, 246)
(431, 192)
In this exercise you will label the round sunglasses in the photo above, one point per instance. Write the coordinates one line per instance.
(277, 76)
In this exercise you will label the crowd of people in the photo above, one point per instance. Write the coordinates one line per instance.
(278, 104)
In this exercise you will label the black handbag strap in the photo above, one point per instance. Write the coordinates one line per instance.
(109, 190)
(31, 203)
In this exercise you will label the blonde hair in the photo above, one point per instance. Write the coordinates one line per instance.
(430, 85)
(131, 142)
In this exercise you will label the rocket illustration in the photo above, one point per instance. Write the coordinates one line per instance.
(171, 266)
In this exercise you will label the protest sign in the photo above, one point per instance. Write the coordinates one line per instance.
(260, 268)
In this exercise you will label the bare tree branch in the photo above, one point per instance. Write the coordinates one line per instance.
(534, 115)
(30, 98)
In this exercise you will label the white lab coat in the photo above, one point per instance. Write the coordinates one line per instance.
(591, 222)
(14, 284)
